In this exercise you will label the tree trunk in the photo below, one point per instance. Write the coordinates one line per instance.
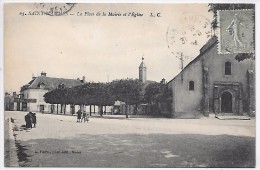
(105, 112)
(72, 107)
(61, 108)
(64, 108)
(57, 108)
(158, 108)
(126, 111)
(135, 110)
(101, 111)
(94, 109)
(90, 109)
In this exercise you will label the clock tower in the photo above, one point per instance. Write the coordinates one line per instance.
(142, 72)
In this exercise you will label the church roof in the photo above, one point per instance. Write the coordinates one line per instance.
(211, 43)
(50, 83)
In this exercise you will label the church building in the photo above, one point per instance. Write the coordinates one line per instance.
(214, 83)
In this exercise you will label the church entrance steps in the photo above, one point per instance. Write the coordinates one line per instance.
(232, 117)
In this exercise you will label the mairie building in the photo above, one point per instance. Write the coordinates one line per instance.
(31, 94)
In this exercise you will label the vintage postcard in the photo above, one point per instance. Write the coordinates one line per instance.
(129, 85)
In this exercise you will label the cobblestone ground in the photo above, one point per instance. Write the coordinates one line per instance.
(58, 141)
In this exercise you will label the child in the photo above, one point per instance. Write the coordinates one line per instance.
(87, 117)
(84, 116)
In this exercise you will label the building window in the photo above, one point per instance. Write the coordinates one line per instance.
(41, 85)
(228, 68)
(191, 85)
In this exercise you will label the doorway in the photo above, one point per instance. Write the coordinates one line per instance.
(42, 108)
(226, 102)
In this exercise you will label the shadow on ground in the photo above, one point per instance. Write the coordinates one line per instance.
(6, 144)
(137, 151)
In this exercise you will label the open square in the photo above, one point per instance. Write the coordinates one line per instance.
(113, 141)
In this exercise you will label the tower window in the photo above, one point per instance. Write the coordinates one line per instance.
(191, 85)
(228, 68)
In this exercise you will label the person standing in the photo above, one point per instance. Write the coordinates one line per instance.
(79, 115)
(84, 116)
(87, 117)
(31, 119)
(28, 120)
(34, 119)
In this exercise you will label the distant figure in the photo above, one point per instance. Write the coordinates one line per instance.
(79, 115)
(34, 119)
(84, 116)
(31, 119)
(87, 117)
(28, 120)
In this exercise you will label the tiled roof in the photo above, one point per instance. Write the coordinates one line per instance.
(211, 43)
(50, 83)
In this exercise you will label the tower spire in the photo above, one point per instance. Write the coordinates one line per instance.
(142, 71)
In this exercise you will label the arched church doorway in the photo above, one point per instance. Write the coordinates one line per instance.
(226, 102)
(228, 98)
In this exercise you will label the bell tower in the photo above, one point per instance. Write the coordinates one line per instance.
(142, 71)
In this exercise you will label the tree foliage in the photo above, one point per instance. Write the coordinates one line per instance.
(86, 94)
(153, 92)
(100, 94)
(56, 96)
(127, 90)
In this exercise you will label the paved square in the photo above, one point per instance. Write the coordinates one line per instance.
(58, 141)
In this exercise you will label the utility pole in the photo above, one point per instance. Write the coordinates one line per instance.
(181, 58)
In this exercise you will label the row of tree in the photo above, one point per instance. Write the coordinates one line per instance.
(130, 91)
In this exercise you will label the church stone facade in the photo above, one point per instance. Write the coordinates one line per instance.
(214, 83)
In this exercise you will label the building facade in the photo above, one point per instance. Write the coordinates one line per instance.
(214, 82)
(11, 102)
(31, 94)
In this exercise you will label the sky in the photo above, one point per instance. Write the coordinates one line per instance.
(101, 48)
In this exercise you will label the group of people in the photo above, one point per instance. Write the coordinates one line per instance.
(82, 116)
(30, 119)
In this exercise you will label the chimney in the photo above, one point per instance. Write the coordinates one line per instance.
(163, 81)
(33, 77)
(43, 74)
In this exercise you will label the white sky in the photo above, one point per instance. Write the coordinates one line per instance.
(95, 47)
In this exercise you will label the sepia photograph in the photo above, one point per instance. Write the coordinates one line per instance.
(129, 85)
